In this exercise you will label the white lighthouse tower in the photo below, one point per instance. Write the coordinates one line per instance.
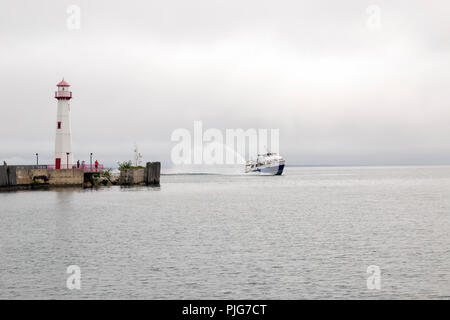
(63, 141)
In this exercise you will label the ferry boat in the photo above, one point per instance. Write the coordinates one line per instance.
(269, 163)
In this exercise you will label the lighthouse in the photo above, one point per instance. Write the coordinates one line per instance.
(63, 141)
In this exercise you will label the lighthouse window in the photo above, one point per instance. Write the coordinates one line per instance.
(59, 124)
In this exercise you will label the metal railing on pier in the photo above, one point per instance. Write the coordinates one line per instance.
(90, 168)
(84, 167)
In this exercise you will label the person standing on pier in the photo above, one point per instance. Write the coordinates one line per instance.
(96, 165)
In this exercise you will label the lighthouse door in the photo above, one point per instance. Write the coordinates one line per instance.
(58, 163)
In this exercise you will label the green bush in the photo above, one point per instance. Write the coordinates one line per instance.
(125, 165)
(128, 165)
(107, 173)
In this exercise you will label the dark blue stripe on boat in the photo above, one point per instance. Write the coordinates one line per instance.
(280, 170)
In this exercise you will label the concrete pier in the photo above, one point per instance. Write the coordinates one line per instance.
(152, 173)
(141, 176)
(7, 176)
(132, 176)
(19, 177)
(11, 176)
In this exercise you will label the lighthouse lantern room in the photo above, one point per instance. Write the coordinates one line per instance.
(63, 141)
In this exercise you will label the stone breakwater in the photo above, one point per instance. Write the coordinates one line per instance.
(30, 177)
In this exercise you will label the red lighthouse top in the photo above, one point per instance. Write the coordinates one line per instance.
(63, 84)
(63, 91)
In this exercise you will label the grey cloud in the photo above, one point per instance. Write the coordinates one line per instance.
(338, 92)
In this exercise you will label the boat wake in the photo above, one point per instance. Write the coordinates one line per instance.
(226, 170)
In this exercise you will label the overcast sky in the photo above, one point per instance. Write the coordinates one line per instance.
(341, 85)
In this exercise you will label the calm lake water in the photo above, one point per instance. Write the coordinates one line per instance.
(308, 234)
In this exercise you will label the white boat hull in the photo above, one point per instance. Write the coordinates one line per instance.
(274, 170)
